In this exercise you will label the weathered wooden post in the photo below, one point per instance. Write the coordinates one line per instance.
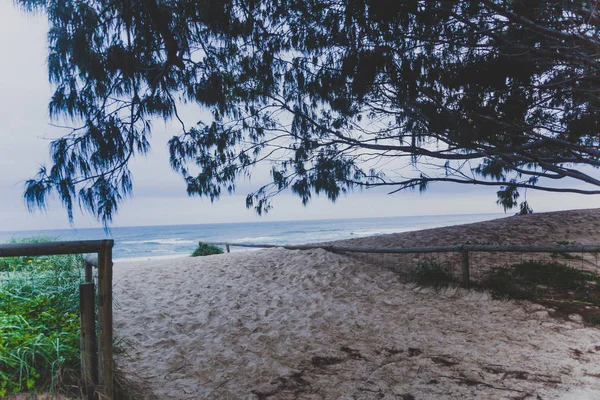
(105, 319)
(227, 247)
(465, 267)
(89, 277)
(89, 349)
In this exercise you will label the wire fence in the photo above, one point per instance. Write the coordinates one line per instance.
(479, 263)
(563, 277)
(469, 263)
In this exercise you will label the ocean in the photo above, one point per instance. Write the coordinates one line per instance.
(168, 241)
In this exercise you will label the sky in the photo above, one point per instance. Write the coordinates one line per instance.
(159, 196)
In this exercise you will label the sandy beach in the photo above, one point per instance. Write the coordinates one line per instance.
(281, 324)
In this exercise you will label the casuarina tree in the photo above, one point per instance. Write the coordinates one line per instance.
(330, 94)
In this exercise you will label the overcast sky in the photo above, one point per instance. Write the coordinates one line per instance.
(159, 194)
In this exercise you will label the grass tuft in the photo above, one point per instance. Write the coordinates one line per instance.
(432, 273)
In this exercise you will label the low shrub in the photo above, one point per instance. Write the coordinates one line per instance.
(532, 279)
(205, 249)
(429, 272)
(565, 289)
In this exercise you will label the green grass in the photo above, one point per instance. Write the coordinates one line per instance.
(39, 323)
(205, 249)
(429, 272)
(535, 279)
(564, 289)
(559, 286)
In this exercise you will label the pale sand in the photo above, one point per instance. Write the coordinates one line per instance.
(279, 324)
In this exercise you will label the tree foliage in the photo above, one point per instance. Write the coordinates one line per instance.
(331, 94)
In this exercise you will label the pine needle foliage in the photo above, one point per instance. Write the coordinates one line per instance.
(330, 95)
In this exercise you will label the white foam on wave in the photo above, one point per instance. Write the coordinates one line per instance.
(175, 256)
(255, 239)
(172, 241)
(150, 258)
(373, 232)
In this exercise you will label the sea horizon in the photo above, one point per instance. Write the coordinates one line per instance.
(174, 241)
(499, 214)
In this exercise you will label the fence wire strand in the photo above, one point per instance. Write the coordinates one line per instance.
(568, 274)
(480, 262)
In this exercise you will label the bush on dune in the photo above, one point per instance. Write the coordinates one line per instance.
(429, 272)
(205, 249)
(559, 286)
(537, 279)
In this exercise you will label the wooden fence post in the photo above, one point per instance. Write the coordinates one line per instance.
(465, 268)
(89, 349)
(89, 277)
(105, 319)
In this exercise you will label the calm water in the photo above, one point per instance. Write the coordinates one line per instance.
(179, 240)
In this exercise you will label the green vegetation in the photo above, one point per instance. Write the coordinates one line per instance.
(564, 255)
(205, 249)
(564, 289)
(39, 323)
(429, 272)
(561, 287)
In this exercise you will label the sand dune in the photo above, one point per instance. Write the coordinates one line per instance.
(579, 226)
(279, 324)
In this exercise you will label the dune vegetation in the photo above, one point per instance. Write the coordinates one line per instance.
(205, 249)
(39, 323)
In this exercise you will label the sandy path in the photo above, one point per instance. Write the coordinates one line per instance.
(279, 324)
